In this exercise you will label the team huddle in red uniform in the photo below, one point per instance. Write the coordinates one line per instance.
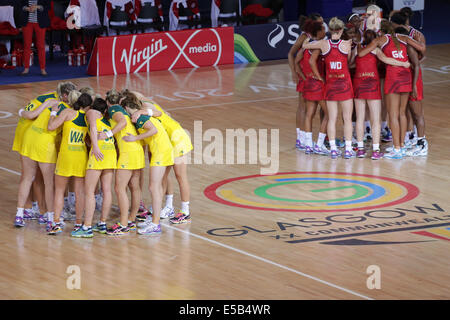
(368, 63)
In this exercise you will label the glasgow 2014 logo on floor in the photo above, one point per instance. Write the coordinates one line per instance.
(328, 202)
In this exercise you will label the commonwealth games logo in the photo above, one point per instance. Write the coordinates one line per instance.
(312, 192)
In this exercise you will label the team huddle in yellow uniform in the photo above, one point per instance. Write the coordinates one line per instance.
(76, 140)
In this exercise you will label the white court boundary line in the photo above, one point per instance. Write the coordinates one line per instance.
(248, 255)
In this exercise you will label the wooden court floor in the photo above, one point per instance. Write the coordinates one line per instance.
(316, 231)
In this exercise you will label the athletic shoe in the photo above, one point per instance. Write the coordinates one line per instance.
(18, 222)
(340, 144)
(36, 214)
(377, 155)
(144, 215)
(335, 154)
(386, 135)
(326, 143)
(68, 215)
(309, 150)
(167, 212)
(299, 145)
(99, 227)
(321, 150)
(117, 229)
(27, 214)
(81, 233)
(394, 154)
(180, 218)
(48, 226)
(420, 150)
(150, 229)
(55, 229)
(361, 153)
(42, 219)
(131, 226)
(349, 154)
(76, 227)
(408, 144)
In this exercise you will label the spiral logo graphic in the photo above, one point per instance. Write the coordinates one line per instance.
(311, 192)
(275, 36)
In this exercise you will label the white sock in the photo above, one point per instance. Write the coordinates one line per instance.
(348, 145)
(407, 136)
(169, 200)
(376, 146)
(19, 212)
(185, 207)
(50, 216)
(333, 145)
(308, 139)
(85, 228)
(72, 198)
(360, 144)
(35, 206)
(321, 139)
(415, 131)
(302, 136)
(383, 125)
(298, 133)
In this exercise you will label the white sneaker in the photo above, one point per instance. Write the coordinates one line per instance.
(167, 212)
(144, 224)
(68, 215)
(420, 150)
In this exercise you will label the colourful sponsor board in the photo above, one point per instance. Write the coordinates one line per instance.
(162, 51)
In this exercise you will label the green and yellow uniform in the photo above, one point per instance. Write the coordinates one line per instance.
(131, 154)
(23, 124)
(38, 143)
(159, 144)
(178, 137)
(72, 156)
(106, 146)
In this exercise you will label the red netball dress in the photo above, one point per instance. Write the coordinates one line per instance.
(366, 82)
(338, 85)
(398, 79)
(419, 85)
(313, 89)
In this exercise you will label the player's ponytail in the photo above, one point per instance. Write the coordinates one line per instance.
(100, 105)
(113, 97)
(386, 28)
(83, 101)
(73, 97)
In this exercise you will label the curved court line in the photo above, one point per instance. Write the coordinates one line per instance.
(378, 191)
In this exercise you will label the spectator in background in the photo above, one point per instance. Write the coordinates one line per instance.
(34, 19)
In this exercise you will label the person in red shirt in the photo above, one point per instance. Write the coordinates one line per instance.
(313, 88)
(398, 83)
(338, 87)
(366, 86)
(296, 78)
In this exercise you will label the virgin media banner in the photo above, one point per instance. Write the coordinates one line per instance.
(162, 51)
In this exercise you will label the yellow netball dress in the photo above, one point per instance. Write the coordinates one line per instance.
(159, 144)
(107, 147)
(131, 154)
(72, 156)
(23, 124)
(179, 138)
(38, 143)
